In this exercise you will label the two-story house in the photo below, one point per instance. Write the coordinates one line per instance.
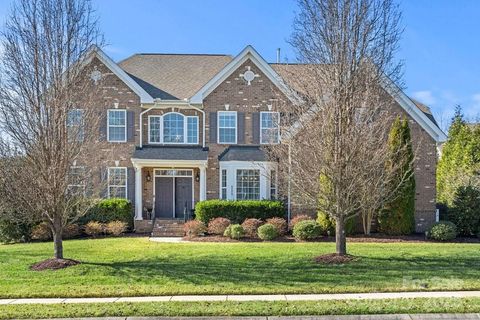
(181, 128)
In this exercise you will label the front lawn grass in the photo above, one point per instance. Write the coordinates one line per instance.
(277, 308)
(139, 267)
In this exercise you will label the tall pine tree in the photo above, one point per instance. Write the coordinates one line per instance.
(398, 215)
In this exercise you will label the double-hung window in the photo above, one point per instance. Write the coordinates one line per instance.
(154, 129)
(76, 181)
(173, 128)
(269, 127)
(117, 182)
(248, 184)
(75, 125)
(192, 130)
(117, 125)
(227, 127)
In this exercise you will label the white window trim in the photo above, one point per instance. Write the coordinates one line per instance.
(261, 127)
(185, 129)
(218, 126)
(82, 125)
(259, 183)
(84, 185)
(116, 126)
(126, 180)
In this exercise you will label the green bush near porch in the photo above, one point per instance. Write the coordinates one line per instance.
(107, 210)
(238, 210)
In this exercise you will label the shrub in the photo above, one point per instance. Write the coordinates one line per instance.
(94, 228)
(250, 226)
(327, 224)
(307, 230)
(106, 210)
(465, 210)
(234, 231)
(41, 232)
(297, 219)
(71, 231)
(116, 228)
(239, 210)
(280, 224)
(194, 228)
(218, 225)
(443, 231)
(267, 232)
(13, 230)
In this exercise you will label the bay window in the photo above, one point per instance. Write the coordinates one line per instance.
(248, 184)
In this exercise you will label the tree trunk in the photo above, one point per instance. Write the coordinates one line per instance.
(57, 230)
(340, 238)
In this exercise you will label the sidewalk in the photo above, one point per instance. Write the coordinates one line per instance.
(279, 297)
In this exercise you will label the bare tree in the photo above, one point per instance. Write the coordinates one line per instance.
(48, 120)
(337, 135)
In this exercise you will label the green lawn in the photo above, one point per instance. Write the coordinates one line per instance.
(136, 266)
(277, 308)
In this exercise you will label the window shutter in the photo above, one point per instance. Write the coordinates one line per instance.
(213, 127)
(103, 171)
(241, 127)
(102, 125)
(256, 128)
(130, 126)
(131, 185)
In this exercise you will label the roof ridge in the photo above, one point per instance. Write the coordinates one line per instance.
(181, 54)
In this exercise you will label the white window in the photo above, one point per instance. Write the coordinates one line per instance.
(269, 127)
(75, 125)
(173, 128)
(248, 184)
(76, 180)
(154, 129)
(117, 182)
(192, 130)
(223, 185)
(117, 125)
(227, 127)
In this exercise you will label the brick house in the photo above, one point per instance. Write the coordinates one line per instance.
(181, 128)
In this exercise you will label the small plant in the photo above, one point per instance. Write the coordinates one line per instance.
(94, 228)
(194, 228)
(443, 231)
(234, 231)
(297, 219)
(268, 232)
(218, 225)
(251, 226)
(280, 224)
(116, 228)
(307, 230)
(41, 232)
(71, 231)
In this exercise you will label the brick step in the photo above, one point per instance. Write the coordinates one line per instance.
(168, 228)
(167, 234)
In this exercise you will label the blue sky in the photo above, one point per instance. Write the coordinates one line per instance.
(440, 46)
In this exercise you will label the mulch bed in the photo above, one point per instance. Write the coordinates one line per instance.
(333, 258)
(54, 264)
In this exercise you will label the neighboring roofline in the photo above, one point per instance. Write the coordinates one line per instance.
(247, 53)
(119, 72)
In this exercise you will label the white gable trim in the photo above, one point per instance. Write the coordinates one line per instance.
(411, 108)
(107, 61)
(248, 53)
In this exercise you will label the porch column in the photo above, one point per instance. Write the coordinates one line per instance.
(203, 183)
(138, 193)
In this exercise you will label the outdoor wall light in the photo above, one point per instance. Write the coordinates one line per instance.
(148, 177)
(197, 177)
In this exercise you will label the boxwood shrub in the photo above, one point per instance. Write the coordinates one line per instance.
(238, 210)
(442, 231)
(307, 230)
(107, 210)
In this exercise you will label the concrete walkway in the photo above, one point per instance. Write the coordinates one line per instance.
(279, 297)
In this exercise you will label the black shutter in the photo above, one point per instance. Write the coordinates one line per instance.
(256, 127)
(103, 172)
(130, 126)
(102, 125)
(213, 127)
(131, 185)
(241, 127)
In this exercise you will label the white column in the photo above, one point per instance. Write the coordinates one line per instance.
(138, 193)
(203, 183)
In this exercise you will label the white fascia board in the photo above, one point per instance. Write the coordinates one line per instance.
(168, 163)
(119, 72)
(248, 53)
(409, 106)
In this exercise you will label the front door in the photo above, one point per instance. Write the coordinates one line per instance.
(164, 197)
(183, 196)
(173, 193)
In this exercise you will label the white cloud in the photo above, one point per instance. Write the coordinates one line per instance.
(425, 97)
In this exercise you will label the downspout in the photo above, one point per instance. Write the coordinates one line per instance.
(141, 125)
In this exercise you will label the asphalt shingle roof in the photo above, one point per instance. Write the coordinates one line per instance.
(243, 153)
(171, 153)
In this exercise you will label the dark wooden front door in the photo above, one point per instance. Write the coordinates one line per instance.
(183, 196)
(172, 196)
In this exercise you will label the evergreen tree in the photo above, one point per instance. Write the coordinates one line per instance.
(397, 216)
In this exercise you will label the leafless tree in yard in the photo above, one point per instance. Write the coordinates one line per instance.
(49, 125)
(334, 143)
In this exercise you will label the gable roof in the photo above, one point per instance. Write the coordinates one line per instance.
(173, 76)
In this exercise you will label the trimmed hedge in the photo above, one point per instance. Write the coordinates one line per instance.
(107, 210)
(238, 210)
(443, 231)
(307, 230)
